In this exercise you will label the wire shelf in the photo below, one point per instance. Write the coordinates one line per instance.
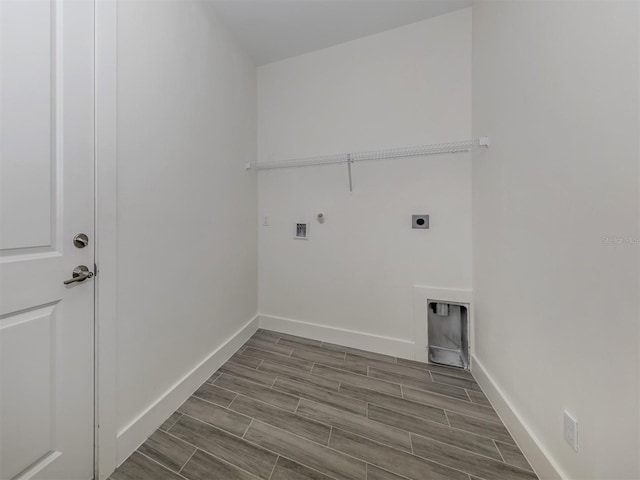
(416, 151)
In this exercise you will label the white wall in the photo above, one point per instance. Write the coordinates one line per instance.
(555, 85)
(187, 239)
(407, 86)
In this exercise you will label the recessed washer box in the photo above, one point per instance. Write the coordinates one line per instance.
(420, 221)
(301, 230)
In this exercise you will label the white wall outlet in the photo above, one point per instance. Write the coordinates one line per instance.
(571, 430)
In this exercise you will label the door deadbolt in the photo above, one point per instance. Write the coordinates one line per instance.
(81, 240)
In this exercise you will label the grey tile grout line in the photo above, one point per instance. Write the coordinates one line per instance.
(446, 417)
(176, 420)
(275, 464)
(499, 451)
(190, 457)
(248, 426)
(466, 392)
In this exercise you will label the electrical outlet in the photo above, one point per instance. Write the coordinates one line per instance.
(571, 430)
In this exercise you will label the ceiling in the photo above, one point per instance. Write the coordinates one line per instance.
(272, 30)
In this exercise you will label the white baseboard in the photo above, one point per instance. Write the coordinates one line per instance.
(349, 338)
(136, 432)
(539, 458)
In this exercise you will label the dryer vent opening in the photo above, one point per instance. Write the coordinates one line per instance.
(448, 334)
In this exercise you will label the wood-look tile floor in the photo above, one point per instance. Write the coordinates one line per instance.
(290, 408)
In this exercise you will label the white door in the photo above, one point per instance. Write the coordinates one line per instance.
(46, 198)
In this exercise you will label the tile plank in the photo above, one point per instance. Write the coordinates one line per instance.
(466, 461)
(456, 382)
(268, 346)
(451, 371)
(256, 376)
(513, 455)
(266, 335)
(170, 421)
(359, 353)
(167, 450)
(370, 362)
(330, 361)
(357, 380)
(321, 395)
(259, 392)
(436, 431)
(280, 371)
(296, 339)
(288, 408)
(402, 371)
(423, 384)
(480, 427)
(203, 466)
(479, 398)
(137, 467)
(215, 415)
(310, 348)
(245, 361)
(313, 455)
(394, 403)
(278, 358)
(225, 446)
(390, 459)
(214, 394)
(279, 418)
(375, 473)
(289, 470)
(355, 423)
(452, 404)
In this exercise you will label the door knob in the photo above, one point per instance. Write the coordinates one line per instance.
(80, 274)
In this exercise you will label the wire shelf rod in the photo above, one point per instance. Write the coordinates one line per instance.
(404, 152)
